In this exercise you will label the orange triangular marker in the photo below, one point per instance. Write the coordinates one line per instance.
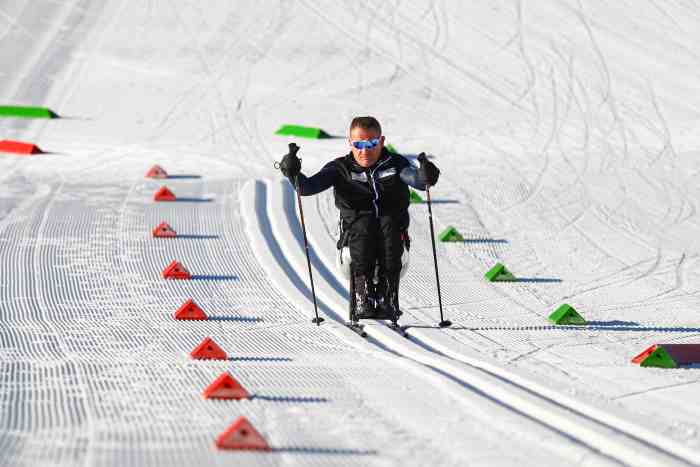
(176, 270)
(241, 435)
(164, 230)
(156, 172)
(164, 194)
(225, 387)
(19, 147)
(648, 351)
(190, 310)
(208, 350)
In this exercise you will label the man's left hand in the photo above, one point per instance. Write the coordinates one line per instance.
(427, 172)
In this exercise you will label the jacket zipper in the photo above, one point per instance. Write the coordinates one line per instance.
(374, 187)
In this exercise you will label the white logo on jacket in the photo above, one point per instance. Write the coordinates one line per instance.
(359, 177)
(387, 173)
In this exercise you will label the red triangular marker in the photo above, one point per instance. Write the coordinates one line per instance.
(156, 172)
(19, 147)
(241, 435)
(164, 230)
(208, 350)
(639, 358)
(164, 194)
(190, 310)
(176, 270)
(225, 387)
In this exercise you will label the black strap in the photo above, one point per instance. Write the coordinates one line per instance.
(406, 239)
(345, 233)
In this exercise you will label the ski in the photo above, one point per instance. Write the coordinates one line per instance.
(398, 328)
(357, 328)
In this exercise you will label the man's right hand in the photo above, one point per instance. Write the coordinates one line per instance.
(291, 164)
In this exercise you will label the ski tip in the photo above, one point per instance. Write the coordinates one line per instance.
(357, 328)
(399, 329)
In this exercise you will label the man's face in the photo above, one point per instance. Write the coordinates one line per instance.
(366, 157)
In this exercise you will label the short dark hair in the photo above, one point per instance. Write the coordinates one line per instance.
(366, 123)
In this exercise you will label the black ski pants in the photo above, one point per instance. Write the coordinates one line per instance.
(372, 238)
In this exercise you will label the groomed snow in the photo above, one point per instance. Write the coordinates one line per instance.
(567, 136)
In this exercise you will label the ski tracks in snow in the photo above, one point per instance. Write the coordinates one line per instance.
(599, 430)
(99, 374)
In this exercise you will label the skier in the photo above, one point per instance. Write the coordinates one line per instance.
(371, 191)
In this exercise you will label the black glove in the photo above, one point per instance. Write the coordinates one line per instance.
(427, 172)
(291, 164)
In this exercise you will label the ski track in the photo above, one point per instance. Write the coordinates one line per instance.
(105, 388)
(589, 421)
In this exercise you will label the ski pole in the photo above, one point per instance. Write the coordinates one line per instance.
(317, 319)
(443, 322)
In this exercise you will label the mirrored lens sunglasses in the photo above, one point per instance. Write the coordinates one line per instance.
(364, 144)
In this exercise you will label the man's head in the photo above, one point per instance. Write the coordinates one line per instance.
(366, 140)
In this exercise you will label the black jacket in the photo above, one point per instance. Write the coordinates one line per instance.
(381, 189)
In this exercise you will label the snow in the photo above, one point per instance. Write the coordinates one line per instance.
(566, 132)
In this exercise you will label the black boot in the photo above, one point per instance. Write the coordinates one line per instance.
(364, 309)
(389, 308)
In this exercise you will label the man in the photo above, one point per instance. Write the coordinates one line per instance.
(371, 191)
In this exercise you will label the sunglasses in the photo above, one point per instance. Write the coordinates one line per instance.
(364, 144)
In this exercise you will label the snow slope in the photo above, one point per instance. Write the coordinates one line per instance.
(566, 132)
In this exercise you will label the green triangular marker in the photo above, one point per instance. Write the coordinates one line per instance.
(566, 315)
(450, 234)
(26, 112)
(415, 197)
(499, 273)
(391, 149)
(302, 132)
(659, 358)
